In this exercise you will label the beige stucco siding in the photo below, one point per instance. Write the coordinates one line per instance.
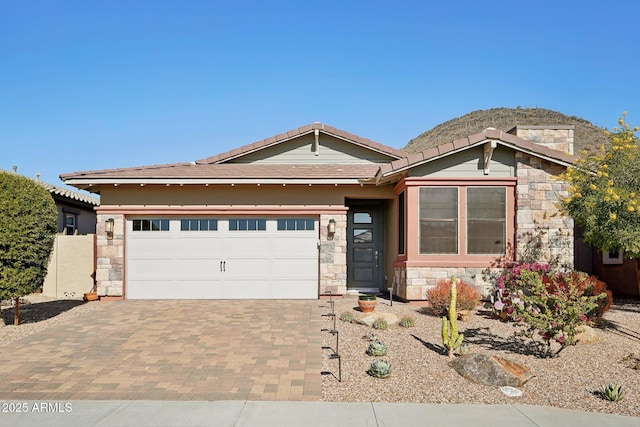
(240, 194)
(469, 164)
(331, 150)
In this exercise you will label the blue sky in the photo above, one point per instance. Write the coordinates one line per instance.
(90, 85)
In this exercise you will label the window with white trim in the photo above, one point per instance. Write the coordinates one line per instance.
(195, 224)
(247, 224)
(296, 224)
(150, 225)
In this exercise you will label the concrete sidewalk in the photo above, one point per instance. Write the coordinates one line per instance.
(282, 413)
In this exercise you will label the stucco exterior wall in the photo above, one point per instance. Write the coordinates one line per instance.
(71, 267)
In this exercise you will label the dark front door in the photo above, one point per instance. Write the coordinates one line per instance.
(364, 247)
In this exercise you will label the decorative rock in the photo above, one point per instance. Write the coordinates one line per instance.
(586, 335)
(491, 370)
(369, 318)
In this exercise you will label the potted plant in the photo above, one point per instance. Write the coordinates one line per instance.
(367, 302)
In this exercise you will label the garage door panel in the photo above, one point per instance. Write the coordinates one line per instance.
(143, 289)
(294, 246)
(150, 247)
(198, 289)
(149, 268)
(246, 289)
(201, 268)
(222, 263)
(303, 268)
(246, 245)
(283, 289)
(189, 246)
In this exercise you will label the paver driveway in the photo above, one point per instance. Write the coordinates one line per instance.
(172, 350)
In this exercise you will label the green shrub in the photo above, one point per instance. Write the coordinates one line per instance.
(28, 223)
(549, 307)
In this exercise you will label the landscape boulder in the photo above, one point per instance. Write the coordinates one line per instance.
(586, 335)
(369, 318)
(491, 370)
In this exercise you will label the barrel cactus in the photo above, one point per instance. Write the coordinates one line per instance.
(407, 321)
(380, 324)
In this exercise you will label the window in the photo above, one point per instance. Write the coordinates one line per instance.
(486, 220)
(150, 225)
(247, 224)
(296, 224)
(198, 225)
(401, 223)
(464, 220)
(70, 223)
(439, 220)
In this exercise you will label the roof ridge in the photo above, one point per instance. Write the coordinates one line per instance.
(302, 130)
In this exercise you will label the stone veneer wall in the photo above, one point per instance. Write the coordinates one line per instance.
(542, 234)
(333, 256)
(540, 230)
(110, 256)
(556, 137)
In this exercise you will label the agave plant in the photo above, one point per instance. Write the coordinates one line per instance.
(380, 369)
(377, 349)
(407, 321)
(612, 392)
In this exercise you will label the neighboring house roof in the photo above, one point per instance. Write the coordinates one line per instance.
(303, 130)
(66, 194)
(458, 145)
(70, 194)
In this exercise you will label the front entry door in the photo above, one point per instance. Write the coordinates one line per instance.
(364, 247)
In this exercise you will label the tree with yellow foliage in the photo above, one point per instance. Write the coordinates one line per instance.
(604, 193)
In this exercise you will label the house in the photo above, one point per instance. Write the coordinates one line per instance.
(76, 210)
(318, 211)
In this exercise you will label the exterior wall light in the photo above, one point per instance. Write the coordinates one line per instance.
(108, 228)
(331, 228)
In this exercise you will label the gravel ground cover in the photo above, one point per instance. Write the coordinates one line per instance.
(38, 312)
(421, 373)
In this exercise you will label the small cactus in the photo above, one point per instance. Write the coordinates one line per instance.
(612, 392)
(346, 316)
(407, 321)
(380, 324)
(377, 349)
(380, 369)
(451, 339)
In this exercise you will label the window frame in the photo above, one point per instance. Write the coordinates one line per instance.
(413, 257)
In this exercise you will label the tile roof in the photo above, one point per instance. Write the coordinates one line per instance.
(65, 192)
(472, 140)
(303, 130)
(70, 194)
(232, 171)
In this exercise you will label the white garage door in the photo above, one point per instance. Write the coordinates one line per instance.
(222, 258)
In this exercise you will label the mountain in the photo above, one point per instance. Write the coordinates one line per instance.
(586, 135)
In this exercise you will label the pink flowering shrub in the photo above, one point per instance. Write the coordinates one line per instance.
(548, 306)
